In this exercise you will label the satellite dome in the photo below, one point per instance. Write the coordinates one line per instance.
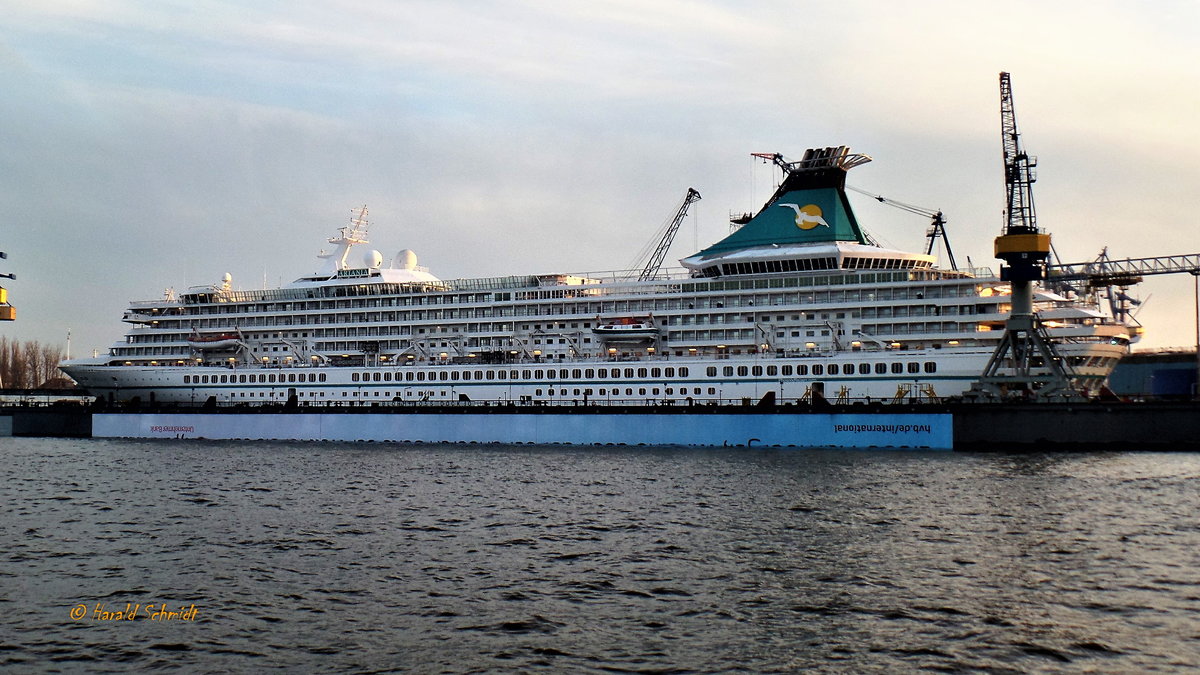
(372, 259)
(405, 260)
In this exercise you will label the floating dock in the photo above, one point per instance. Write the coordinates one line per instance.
(1167, 425)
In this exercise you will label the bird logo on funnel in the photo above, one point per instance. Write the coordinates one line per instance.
(808, 216)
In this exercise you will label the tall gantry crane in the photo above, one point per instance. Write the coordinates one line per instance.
(1026, 360)
(664, 243)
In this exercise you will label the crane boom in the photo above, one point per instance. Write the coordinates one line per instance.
(1104, 271)
(660, 253)
(1019, 174)
(937, 225)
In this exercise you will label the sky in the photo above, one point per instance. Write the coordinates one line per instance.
(154, 144)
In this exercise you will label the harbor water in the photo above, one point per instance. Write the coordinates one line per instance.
(203, 556)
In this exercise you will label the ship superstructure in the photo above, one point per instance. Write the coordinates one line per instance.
(798, 301)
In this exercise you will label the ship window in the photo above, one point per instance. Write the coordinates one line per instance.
(772, 370)
(602, 373)
(443, 375)
(641, 372)
(491, 375)
(712, 371)
(629, 391)
(538, 392)
(864, 369)
(756, 371)
(727, 371)
(537, 374)
(642, 391)
(241, 378)
(741, 371)
(914, 367)
(387, 377)
(187, 379)
(204, 379)
(590, 372)
(629, 372)
(931, 366)
(786, 370)
(656, 372)
(271, 377)
(576, 373)
(897, 368)
(818, 369)
(354, 377)
(454, 375)
(502, 374)
(711, 391)
(421, 376)
(377, 376)
(833, 369)
(671, 372)
(527, 374)
(409, 376)
(322, 379)
(880, 368)
(616, 372)
(562, 374)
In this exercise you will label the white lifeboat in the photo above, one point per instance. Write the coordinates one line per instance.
(626, 329)
(213, 341)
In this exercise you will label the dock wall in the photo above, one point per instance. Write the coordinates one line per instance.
(884, 430)
(1170, 425)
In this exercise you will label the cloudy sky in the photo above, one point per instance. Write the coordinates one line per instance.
(161, 143)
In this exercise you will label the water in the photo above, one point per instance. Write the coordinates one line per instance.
(505, 559)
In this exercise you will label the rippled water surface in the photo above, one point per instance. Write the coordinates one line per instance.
(386, 558)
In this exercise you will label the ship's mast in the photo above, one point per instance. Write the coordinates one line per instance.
(1026, 361)
(347, 237)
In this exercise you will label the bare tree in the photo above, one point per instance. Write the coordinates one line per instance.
(28, 365)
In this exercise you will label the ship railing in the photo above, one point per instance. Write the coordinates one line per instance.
(574, 403)
(151, 304)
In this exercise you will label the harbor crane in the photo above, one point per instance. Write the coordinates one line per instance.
(664, 243)
(937, 226)
(1104, 272)
(1025, 360)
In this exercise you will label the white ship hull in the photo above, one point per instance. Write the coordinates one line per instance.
(938, 374)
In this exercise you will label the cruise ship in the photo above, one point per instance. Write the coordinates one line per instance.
(797, 303)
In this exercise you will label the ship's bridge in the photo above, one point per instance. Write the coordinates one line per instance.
(803, 258)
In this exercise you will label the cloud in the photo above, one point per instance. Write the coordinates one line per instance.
(156, 144)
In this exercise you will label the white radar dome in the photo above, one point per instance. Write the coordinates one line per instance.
(372, 259)
(405, 260)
